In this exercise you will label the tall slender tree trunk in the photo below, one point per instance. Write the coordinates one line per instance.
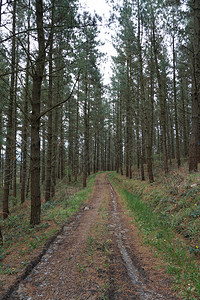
(85, 147)
(175, 106)
(86, 128)
(137, 122)
(161, 102)
(35, 118)
(25, 122)
(70, 141)
(88, 138)
(1, 142)
(76, 142)
(118, 142)
(62, 159)
(43, 153)
(147, 128)
(9, 135)
(128, 120)
(152, 69)
(170, 135)
(95, 154)
(195, 135)
(50, 125)
(193, 147)
(142, 156)
(15, 124)
(120, 137)
(109, 149)
(184, 120)
(0, 10)
(28, 179)
(14, 155)
(55, 150)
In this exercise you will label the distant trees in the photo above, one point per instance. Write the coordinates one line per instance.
(160, 83)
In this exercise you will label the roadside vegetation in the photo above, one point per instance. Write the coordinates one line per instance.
(167, 213)
(23, 242)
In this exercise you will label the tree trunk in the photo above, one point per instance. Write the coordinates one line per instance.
(85, 156)
(175, 108)
(86, 131)
(14, 154)
(147, 128)
(76, 143)
(1, 237)
(43, 177)
(142, 157)
(184, 120)
(1, 141)
(120, 139)
(50, 125)
(9, 137)
(25, 123)
(193, 163)
(55, 153)
(70, 141)
(195, 135)
(128, 121)
(0, 10)
(161, 102)
(35, 119)
(62, 162)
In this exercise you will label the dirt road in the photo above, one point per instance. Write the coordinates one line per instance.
(99, 255)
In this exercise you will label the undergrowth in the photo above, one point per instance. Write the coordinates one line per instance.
(163, 212)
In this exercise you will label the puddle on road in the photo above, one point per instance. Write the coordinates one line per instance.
(132, 271)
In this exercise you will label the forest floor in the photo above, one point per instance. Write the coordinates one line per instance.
(98, 255)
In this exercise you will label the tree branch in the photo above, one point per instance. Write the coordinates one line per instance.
(62, 102)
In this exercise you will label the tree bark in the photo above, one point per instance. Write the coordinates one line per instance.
(76, 154)
(1, 142)
(62, 159)
(14, 151)
(184, 120)
(85, 148)
(9, 136)
(43, 177)
(25, 122)
(178, 159)
(147, 128)
(35, 119)
(195, 135)
(161, 100)
(50, 124)
(70, 141)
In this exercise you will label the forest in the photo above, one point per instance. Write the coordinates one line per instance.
(59, 119)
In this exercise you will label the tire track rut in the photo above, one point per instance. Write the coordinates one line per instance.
(137, 279)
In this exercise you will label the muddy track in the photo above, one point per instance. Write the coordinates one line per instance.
(74, 268)
(139, 280)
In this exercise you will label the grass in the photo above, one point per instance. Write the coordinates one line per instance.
(22, 241)
(159, 220)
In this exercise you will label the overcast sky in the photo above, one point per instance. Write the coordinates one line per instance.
(103, 9)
